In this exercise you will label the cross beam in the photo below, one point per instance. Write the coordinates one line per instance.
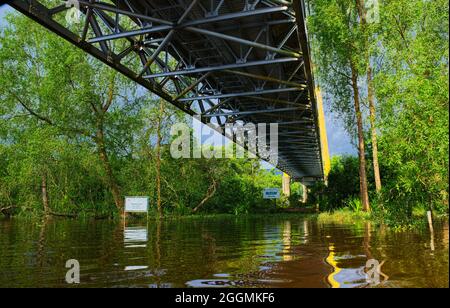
(248, 65)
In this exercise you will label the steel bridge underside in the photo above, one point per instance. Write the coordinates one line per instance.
(228, 61)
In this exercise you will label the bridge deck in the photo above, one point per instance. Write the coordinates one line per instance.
(239, 61)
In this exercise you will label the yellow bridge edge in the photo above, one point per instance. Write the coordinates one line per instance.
(323, 134)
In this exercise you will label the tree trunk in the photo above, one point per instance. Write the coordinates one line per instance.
(158, 159)
(373, 127)
(44, 192)
(110, 179)
(361, 144)
(371, 97)
(211, 192)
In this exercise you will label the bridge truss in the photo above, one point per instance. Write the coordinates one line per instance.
(228, 61)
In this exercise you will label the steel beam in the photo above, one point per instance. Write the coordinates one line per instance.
(168, 38)
(237, 80)
(228, 95)
(300, 14)
(244, 42)
(114, 9)
(276, 101)
(228, 114)
(266, 78)
(221, 67)
(192, 86)
(167, 26)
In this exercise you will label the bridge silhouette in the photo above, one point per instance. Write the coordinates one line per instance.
(226, 61)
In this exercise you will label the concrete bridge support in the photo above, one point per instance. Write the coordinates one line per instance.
(286, 185)
(305, 193)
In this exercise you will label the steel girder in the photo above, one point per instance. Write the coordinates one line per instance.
(229, 61)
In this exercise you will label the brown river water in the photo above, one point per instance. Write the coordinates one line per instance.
(220, 252)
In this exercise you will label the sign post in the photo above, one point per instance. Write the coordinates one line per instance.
(135, 205)
(272, 194)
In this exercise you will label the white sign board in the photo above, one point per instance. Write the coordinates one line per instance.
(271, 193)
(136, 204)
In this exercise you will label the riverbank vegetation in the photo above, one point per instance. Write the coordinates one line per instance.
(384, 67)
(76, 137)
(340, 202)
(344, 216)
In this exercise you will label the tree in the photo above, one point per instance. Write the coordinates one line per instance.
(339, 48)
(412, 84)
(160, 118)
(366, 31)
(59, 86)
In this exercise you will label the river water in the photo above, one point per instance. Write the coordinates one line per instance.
(221, 252)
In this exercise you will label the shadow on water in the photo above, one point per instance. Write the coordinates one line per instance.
(219, 252)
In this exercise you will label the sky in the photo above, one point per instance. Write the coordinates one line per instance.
(338, 140)
(3, 10)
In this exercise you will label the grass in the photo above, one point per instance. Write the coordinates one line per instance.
(203, 216)
(349, 215)
(344, 216)
(352, 214)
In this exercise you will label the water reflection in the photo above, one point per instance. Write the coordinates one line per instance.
(349, 276)
(287, 241)
(225, 252)
(135, 237)
(336, 270)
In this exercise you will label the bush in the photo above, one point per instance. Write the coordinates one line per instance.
(342, 186)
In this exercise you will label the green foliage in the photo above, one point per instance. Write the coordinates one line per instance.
(62, 113)
(240, 191)
(343, 216)
(412, 86)
(49, 123)
(343, 180)
(342, 186)
(295, 200)
(354, 204)
(409, 52)
(337, 42)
